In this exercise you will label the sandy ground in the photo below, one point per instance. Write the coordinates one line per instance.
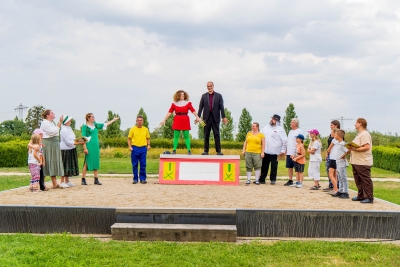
(120, 192)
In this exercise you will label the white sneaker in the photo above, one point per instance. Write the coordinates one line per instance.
(294, 184)
(299, 185)
(70, 184)
(64, 185)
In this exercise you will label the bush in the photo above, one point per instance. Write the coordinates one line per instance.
(13, 154)
(167, 143)
(9, 137)
(387, 158)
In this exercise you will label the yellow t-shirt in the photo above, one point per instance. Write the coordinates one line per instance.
(139, 136)
(254, 142)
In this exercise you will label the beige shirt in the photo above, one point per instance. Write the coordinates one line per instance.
(362, 158)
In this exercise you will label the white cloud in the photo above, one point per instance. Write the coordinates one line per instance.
(329, 58)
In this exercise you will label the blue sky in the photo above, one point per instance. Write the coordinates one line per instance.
(329, 58)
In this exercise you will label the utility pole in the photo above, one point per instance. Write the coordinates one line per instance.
(20, 110)
(342, 119)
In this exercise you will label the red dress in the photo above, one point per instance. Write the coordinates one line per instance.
(181, 119)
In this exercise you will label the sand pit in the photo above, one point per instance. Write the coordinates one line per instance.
(120, 192)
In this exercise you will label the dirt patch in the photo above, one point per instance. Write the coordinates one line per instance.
(120, 192)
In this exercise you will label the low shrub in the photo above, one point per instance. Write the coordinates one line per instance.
(167, 143)
(13, 154)
(387, 158)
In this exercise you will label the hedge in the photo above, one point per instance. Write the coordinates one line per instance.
(167, 143)
(14, 154)
(387, 158)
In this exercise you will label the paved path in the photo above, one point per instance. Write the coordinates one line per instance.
(241, 177)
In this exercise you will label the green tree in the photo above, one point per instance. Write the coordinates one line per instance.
(167, 131)
(289, 115)
(113, 130)
(245, 121)
(73, 124)
(145, 121)
(34, 118)
(157, 132)
(13, 127)
(226, 131)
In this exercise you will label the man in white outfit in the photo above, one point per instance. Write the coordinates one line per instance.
(291, 147)
(275, 144)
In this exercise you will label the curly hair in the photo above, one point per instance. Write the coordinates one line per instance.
(177, 95)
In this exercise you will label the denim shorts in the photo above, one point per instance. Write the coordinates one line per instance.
(289, 162)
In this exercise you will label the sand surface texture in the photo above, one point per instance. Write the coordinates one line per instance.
(120, 192)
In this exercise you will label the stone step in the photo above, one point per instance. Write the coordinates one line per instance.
(173, 232)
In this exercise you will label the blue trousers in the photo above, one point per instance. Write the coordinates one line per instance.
(138, 155)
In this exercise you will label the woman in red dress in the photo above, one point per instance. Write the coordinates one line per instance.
(181, 107)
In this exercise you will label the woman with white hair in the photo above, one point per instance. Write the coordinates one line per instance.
(68, 152)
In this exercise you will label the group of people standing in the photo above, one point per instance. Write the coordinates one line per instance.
(262, 148)
(52, 151)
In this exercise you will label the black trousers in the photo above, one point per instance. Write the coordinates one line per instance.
(269, 159)
(41, 180)
(211, 124)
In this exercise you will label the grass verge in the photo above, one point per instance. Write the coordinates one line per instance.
(67, 250)
(388, 191)
(110, 165)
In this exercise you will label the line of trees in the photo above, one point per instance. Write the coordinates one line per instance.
(33, 120)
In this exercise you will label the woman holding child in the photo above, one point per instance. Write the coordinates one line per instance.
(361, 160)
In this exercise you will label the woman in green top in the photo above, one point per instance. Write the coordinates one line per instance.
(92, 150)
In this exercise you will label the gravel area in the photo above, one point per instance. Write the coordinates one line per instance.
(120, 192)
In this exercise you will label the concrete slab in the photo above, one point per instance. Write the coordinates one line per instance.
(173, 232)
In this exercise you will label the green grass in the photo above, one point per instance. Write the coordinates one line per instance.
(388, 191)
(13, 181)
(123, 166)
(67, 250)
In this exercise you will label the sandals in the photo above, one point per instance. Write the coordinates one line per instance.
(314, 188)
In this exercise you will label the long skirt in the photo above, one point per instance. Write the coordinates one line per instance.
(52, 156)
(70, 162)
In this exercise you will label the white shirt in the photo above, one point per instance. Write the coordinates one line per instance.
(31, 157)
(291, 141)
(67, 138)
(334, 151)
(49, 129)
(275, 139)
(340, 150)
(317, 154)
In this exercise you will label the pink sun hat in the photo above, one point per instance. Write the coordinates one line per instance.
(37, 131)
(313, 131)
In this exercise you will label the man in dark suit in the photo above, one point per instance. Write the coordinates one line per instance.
(212, 106)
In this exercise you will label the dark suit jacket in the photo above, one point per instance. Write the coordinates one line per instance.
(218, 110)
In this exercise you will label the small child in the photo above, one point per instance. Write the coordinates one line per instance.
(315, 158)
(341, 164)
(299, 161)
(34, 162)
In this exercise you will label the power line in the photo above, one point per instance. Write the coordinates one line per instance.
(341, 121)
